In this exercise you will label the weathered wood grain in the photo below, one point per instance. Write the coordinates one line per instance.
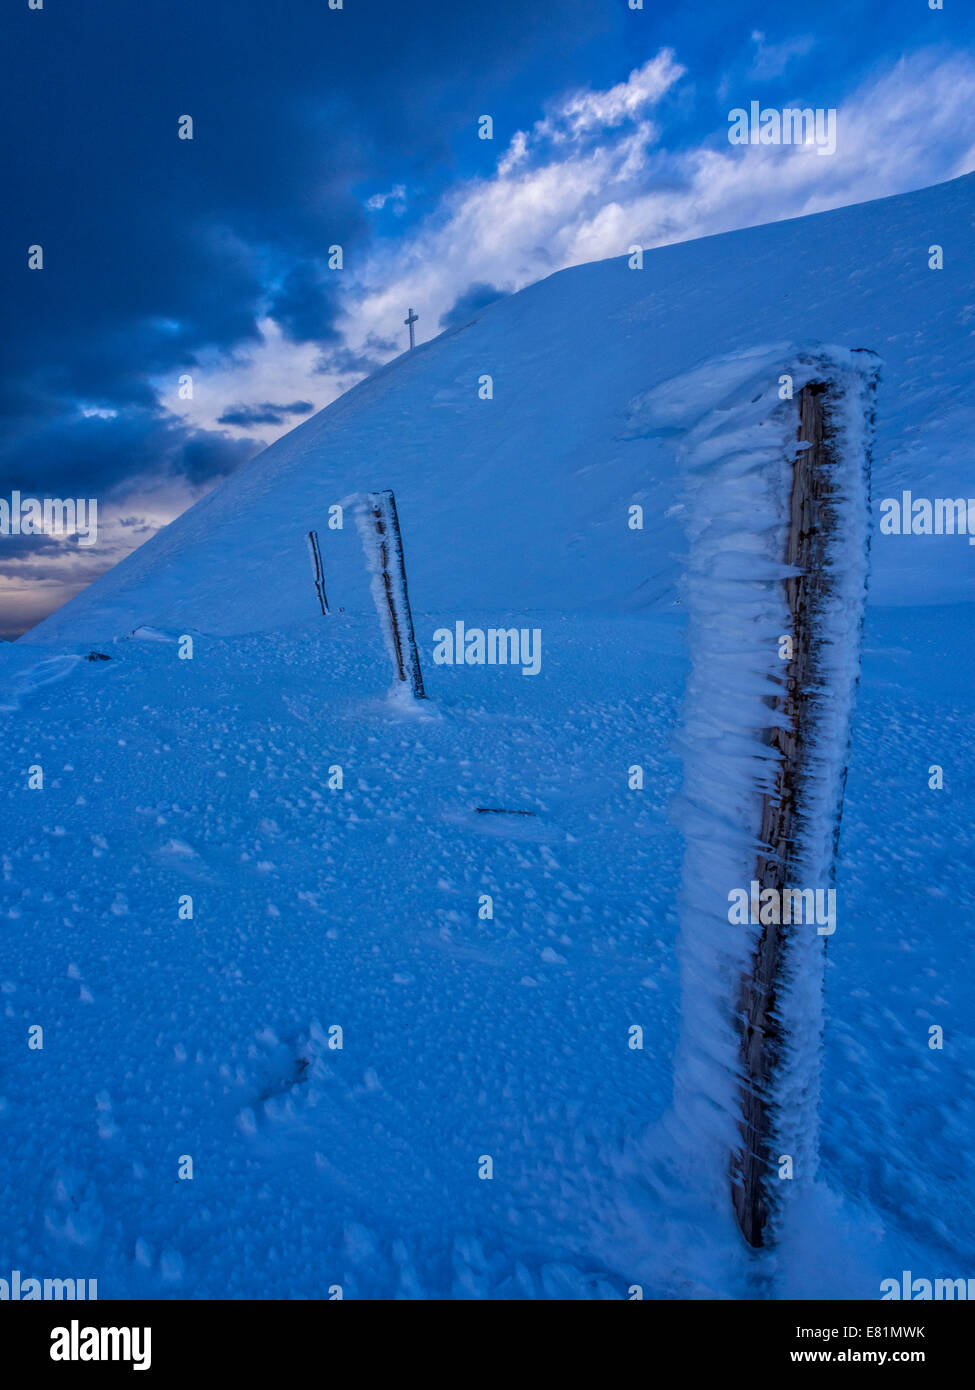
(754, 1166)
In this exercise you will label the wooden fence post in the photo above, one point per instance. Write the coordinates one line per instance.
(810, 536)
(392, 573)
(316, 564)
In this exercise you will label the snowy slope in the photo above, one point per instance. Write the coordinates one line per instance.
(358, 905)
(520, 502)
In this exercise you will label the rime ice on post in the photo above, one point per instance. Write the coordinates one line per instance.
(314, 550)
(778, 547)
(383, 544)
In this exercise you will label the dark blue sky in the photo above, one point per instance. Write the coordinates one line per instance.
(315, 127)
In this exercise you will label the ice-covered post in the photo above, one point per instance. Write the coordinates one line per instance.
(392, 597)
(314, 550)
(813, 550)
(777, 511)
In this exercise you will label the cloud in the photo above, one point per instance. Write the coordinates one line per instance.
(396, 196)
(274, 367)
(771, 59)
(305, 304)
(583, 113)
(569, 191)
(138, 449)
(554, 202)
(477, 296)
(267, 414)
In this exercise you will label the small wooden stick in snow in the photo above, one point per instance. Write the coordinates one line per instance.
(316, 564)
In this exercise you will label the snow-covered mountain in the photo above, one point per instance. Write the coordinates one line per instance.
(275, 923)
(519, 502)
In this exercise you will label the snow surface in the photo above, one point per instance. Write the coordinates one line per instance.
(358, 907)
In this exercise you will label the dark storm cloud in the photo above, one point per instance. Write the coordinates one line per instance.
(156, 247)
(306, 303)
(477, 296)
(267, 414)
(94, 457)
(21, 550)
(377, 344)
(342, 361)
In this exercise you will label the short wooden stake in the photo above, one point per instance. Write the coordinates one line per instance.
(314, 550)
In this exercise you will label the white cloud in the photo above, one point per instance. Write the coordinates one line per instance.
(551, 205)
(275, 370)
(771, 59)
(583, 112)
(396, 195)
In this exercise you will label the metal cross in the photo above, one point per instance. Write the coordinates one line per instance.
(411, 321)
